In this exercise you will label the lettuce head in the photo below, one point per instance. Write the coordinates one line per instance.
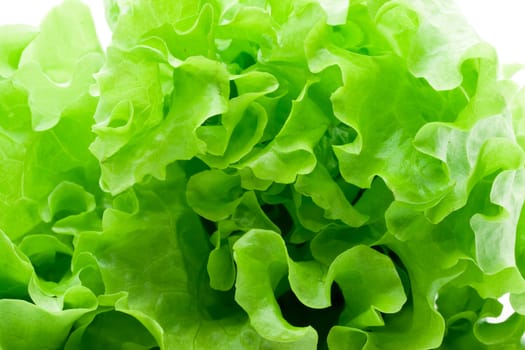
(259, 174)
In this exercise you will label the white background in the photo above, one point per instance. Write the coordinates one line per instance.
(501, 23)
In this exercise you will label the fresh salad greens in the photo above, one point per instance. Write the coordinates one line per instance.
(259, 174)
